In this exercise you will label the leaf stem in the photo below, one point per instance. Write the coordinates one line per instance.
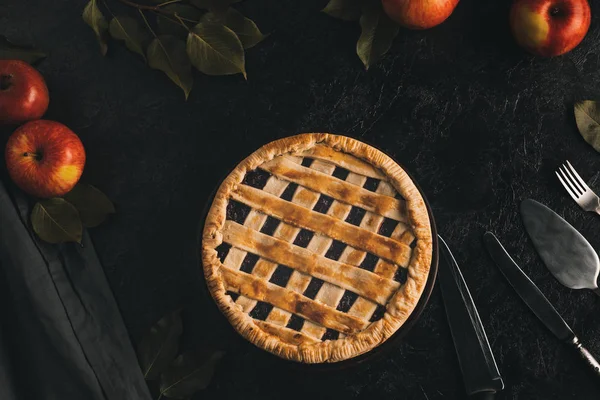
(158, 9)
(160, 396)
(181, 21)
(168, 2)
(147, 24)
(141, 6)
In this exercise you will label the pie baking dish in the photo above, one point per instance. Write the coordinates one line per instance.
(317, 247)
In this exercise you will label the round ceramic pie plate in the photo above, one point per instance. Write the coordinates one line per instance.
(260, 241)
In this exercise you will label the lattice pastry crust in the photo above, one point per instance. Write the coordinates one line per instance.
(329, 254)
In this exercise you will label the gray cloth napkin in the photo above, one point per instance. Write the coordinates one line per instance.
(61, 333)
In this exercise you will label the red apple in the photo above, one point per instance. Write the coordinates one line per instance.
(44, 158)
(549, 27)
(419, 14)
(23, 92)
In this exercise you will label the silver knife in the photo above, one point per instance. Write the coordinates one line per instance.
(535, 300)
(567, 254)
(480, 373)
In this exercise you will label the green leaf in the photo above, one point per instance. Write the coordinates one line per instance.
(172, 26)
(129, 30)
(215, 50)
(188, 374)
(159, 346)
(94, 18)
(93, 205)
(56, 221)
(378, 32)
(12, 51)
(245, 29)
(587, 116)
(168, 54)
(348, 10)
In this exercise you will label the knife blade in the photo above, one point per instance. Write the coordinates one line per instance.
(567, 254)
(535, 299)
(480, 374)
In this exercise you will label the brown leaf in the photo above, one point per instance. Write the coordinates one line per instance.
(587, 117)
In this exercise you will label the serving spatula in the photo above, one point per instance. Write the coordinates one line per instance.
(567, 254)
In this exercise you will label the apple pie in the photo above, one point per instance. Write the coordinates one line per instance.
(317, 247)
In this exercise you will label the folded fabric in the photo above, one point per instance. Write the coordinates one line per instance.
(61, 333)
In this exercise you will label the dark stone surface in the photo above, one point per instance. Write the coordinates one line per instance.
(480, 124)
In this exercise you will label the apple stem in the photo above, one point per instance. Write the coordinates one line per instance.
(554, 11)
(5, 81)
(37, 156)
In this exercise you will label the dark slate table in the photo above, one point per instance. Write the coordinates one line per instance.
(480, 124)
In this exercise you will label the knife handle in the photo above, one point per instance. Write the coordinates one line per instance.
(586, 355)
(483, 396)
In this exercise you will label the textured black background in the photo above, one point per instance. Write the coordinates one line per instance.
(479, 123)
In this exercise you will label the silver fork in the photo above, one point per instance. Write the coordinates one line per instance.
(577, 188)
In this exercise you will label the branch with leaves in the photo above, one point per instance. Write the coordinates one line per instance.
(177, 375)
(175, 35)
(377, 29)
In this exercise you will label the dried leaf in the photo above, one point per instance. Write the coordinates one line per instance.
(93, 205)
(159, 346)
(171, 26)
(12, 51)
(168, 54)
(348, 10)
(94, 18)
(215, 50)
(56, 221)
(245, 29)
(129, 30)
(188, 374)
(587, 116)
(378, 32)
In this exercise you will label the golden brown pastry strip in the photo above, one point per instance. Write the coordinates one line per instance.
(286, 334)
(343, 160)
(381, 246)
(258, 289)
(360, 281)
(340, 190)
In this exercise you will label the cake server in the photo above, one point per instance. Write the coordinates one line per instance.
(566, 253)
(480, 373)
(535, 300)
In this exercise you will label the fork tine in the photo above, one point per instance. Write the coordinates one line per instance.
(572, 179)
(566, 187)
(580, 180)
(574, 189)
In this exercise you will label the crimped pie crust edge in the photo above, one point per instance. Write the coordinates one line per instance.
(399, 307)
